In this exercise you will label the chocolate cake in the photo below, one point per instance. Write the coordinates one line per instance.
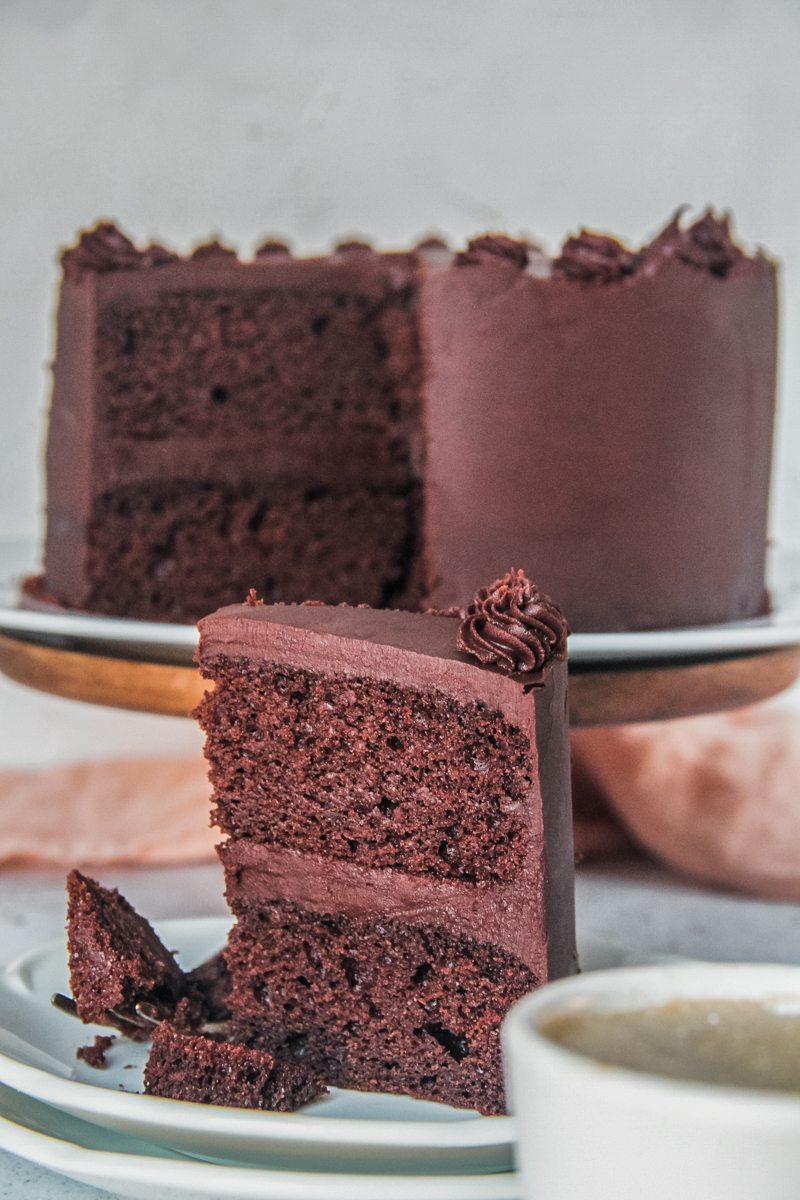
(118, 963)
(373, 428)
(394, 788)
(207, 1070)
(116, 960)
(94, 1055)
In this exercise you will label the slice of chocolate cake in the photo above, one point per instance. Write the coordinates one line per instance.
(116, 960)
(209, 1070)
(394, 788)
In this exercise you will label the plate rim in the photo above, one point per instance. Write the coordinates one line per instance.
(68, 1157)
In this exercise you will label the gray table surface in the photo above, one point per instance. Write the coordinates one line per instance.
(632, 903)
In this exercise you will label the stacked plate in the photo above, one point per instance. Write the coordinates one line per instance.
(94, 1126)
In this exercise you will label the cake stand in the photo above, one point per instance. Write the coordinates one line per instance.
(615, 678)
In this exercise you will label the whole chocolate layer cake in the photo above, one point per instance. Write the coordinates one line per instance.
(374, 427)
(394, 788)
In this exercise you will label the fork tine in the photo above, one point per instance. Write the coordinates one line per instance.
(64, 1003)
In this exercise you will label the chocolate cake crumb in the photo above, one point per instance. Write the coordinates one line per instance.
(207, 1070)
(94, 1055)
(116, 959)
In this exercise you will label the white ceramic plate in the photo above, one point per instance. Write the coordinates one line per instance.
(347, 1131)
(128, 1166)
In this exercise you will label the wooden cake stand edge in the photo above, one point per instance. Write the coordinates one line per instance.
(599, 695)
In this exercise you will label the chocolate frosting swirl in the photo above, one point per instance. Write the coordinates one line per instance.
(707, 244)
(106, 248)
(353, 246)
(214, 249)
(595, 258)
(513, 626)
(273, 248)
(494, 246)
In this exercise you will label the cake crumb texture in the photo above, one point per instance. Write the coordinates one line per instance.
(206, 1070)
(366, 771)
(115, 958)
(378, 1003)
(95, 1053)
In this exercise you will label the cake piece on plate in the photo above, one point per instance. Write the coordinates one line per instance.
(185, 1066)
(116, 960)
(394, 788)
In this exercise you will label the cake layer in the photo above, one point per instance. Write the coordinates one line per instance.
(367, 770)
(510, 916)
(150, 545)
(292, 367)
(377, 1003)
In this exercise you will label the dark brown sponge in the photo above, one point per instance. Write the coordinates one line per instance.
(294, 364)
(155, 549)
(116, 960)
(366, 771)
(206, 1070)
(377, 1004)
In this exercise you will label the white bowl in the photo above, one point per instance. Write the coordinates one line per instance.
(589, 1130)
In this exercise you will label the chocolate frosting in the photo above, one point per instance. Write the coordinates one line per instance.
(353, 246)
(106, 248)
(273, 248)
(494, 245)
(513, 626)
(595, 258)
(707, 244)
(213, 249)
(432, 242)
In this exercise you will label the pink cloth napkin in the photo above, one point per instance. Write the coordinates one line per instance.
(717, 797)
(121, 810)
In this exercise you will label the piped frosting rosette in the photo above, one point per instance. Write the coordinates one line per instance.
(513, 626)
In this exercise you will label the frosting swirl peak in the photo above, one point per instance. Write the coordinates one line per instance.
(106, 248)
(494, 246)
(707, 244)
(513, 626)
(595, 258)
